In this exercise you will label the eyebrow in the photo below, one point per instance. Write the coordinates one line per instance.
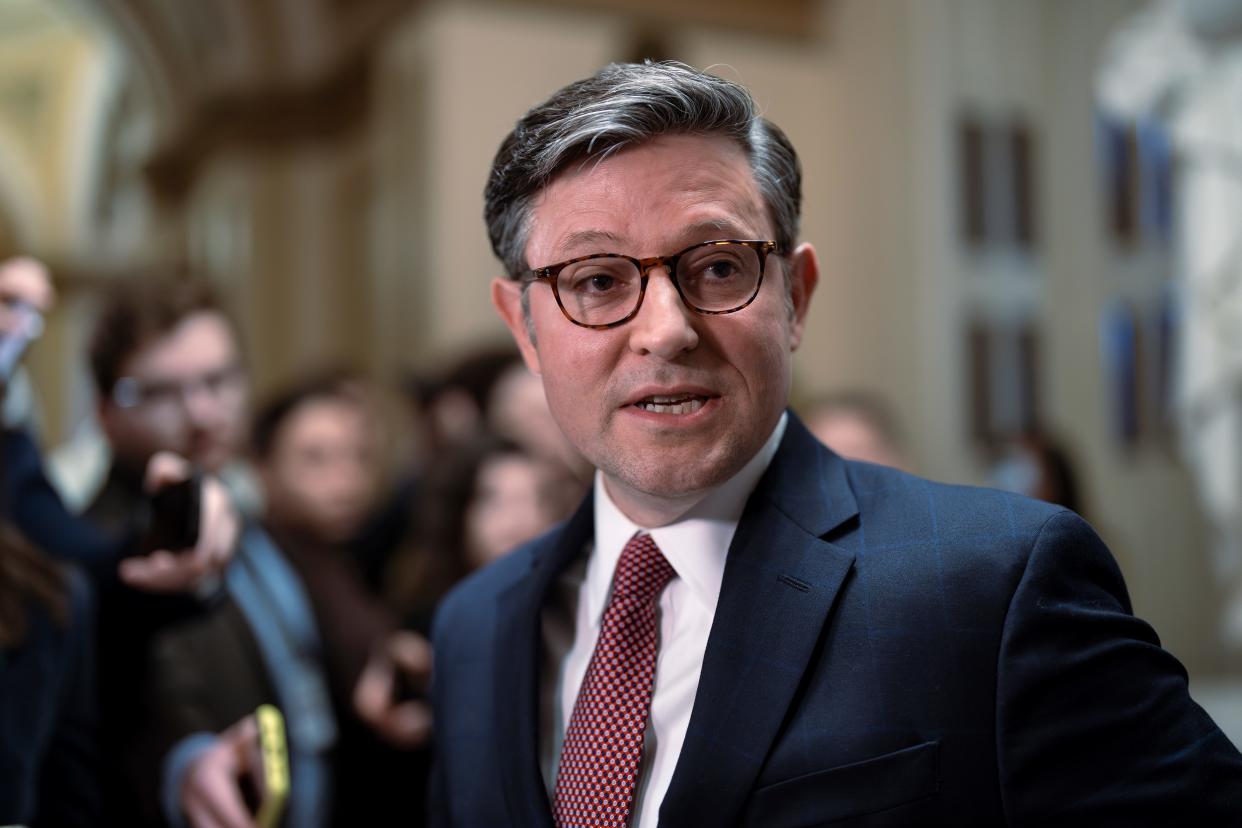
(581, 238)
(719, 225)
(712, 227)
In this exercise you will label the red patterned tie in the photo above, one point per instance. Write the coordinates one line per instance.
(604, 741)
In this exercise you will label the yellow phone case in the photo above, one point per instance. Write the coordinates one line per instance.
(275, 760)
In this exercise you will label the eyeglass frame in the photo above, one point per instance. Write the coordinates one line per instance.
(132, 393)
(550, 273)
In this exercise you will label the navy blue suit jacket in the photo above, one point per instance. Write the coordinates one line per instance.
(886, 650)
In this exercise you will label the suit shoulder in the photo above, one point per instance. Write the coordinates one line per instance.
(976, 535)
(891, 495)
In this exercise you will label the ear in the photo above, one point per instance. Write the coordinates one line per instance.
(803, 277)
(507, 299)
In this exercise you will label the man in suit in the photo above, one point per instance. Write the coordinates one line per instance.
(738, 626)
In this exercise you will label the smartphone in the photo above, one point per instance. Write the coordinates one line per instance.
(175, 515)
(26, 329)
(270, 775)
(403, 687)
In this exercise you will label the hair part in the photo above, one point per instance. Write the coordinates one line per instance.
(626, 105)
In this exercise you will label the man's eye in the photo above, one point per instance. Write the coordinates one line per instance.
(158, 392)
(215, 381)
(598, 282)
(721, 269)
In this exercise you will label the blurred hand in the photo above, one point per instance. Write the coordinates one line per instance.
(211, 795)
(23, 279)
(406, 724)
(219, 528)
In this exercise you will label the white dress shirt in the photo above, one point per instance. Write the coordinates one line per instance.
(695, 545)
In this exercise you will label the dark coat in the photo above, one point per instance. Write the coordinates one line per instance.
(49, 759)
(126, 619)
(886, 651)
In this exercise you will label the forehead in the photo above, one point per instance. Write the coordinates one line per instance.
(673, 190)
(202, 341)
(324, 418)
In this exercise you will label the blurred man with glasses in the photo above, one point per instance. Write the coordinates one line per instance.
(738, 626)
(169, 378)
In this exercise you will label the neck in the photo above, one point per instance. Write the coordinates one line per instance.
(647, 510)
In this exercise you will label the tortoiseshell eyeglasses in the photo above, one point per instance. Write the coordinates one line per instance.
(604, 290)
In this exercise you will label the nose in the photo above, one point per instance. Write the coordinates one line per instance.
(664, 326)
(201, 405)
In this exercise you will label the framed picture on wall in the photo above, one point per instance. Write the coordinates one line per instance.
(996, 160)
(1003, 371)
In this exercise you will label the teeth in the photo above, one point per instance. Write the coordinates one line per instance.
(664, 405)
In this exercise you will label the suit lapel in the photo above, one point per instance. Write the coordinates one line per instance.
(519, 647)
(780, 582)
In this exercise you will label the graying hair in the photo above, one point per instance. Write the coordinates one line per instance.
(625, 105)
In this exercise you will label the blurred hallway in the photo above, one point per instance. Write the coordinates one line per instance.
(322, 163)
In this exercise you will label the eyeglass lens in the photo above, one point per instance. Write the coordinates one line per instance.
(131, 392)
(712, 277)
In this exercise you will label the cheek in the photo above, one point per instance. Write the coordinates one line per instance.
(575, 375)
(160, 431)
(482, 529)
(761, 354)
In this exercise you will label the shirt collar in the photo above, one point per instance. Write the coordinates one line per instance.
(695, 545)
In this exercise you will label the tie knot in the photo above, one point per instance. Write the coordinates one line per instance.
(642, 572)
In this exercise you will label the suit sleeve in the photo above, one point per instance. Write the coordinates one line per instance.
(1094, 721)
(37, 510)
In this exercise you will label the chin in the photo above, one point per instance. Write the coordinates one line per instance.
(673, 480)
(210, 460)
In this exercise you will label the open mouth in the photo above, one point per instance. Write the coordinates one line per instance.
(671, 404)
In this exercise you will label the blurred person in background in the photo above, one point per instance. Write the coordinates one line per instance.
(517, 410)
(444, 409)
(169, 380)
(457, 402)
(1038, 466)
(169, 376)
(479, 501)
(138, 589)
(49, 759)
(295, 629)
(488, 390)
(858, 426)
(26, 296)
